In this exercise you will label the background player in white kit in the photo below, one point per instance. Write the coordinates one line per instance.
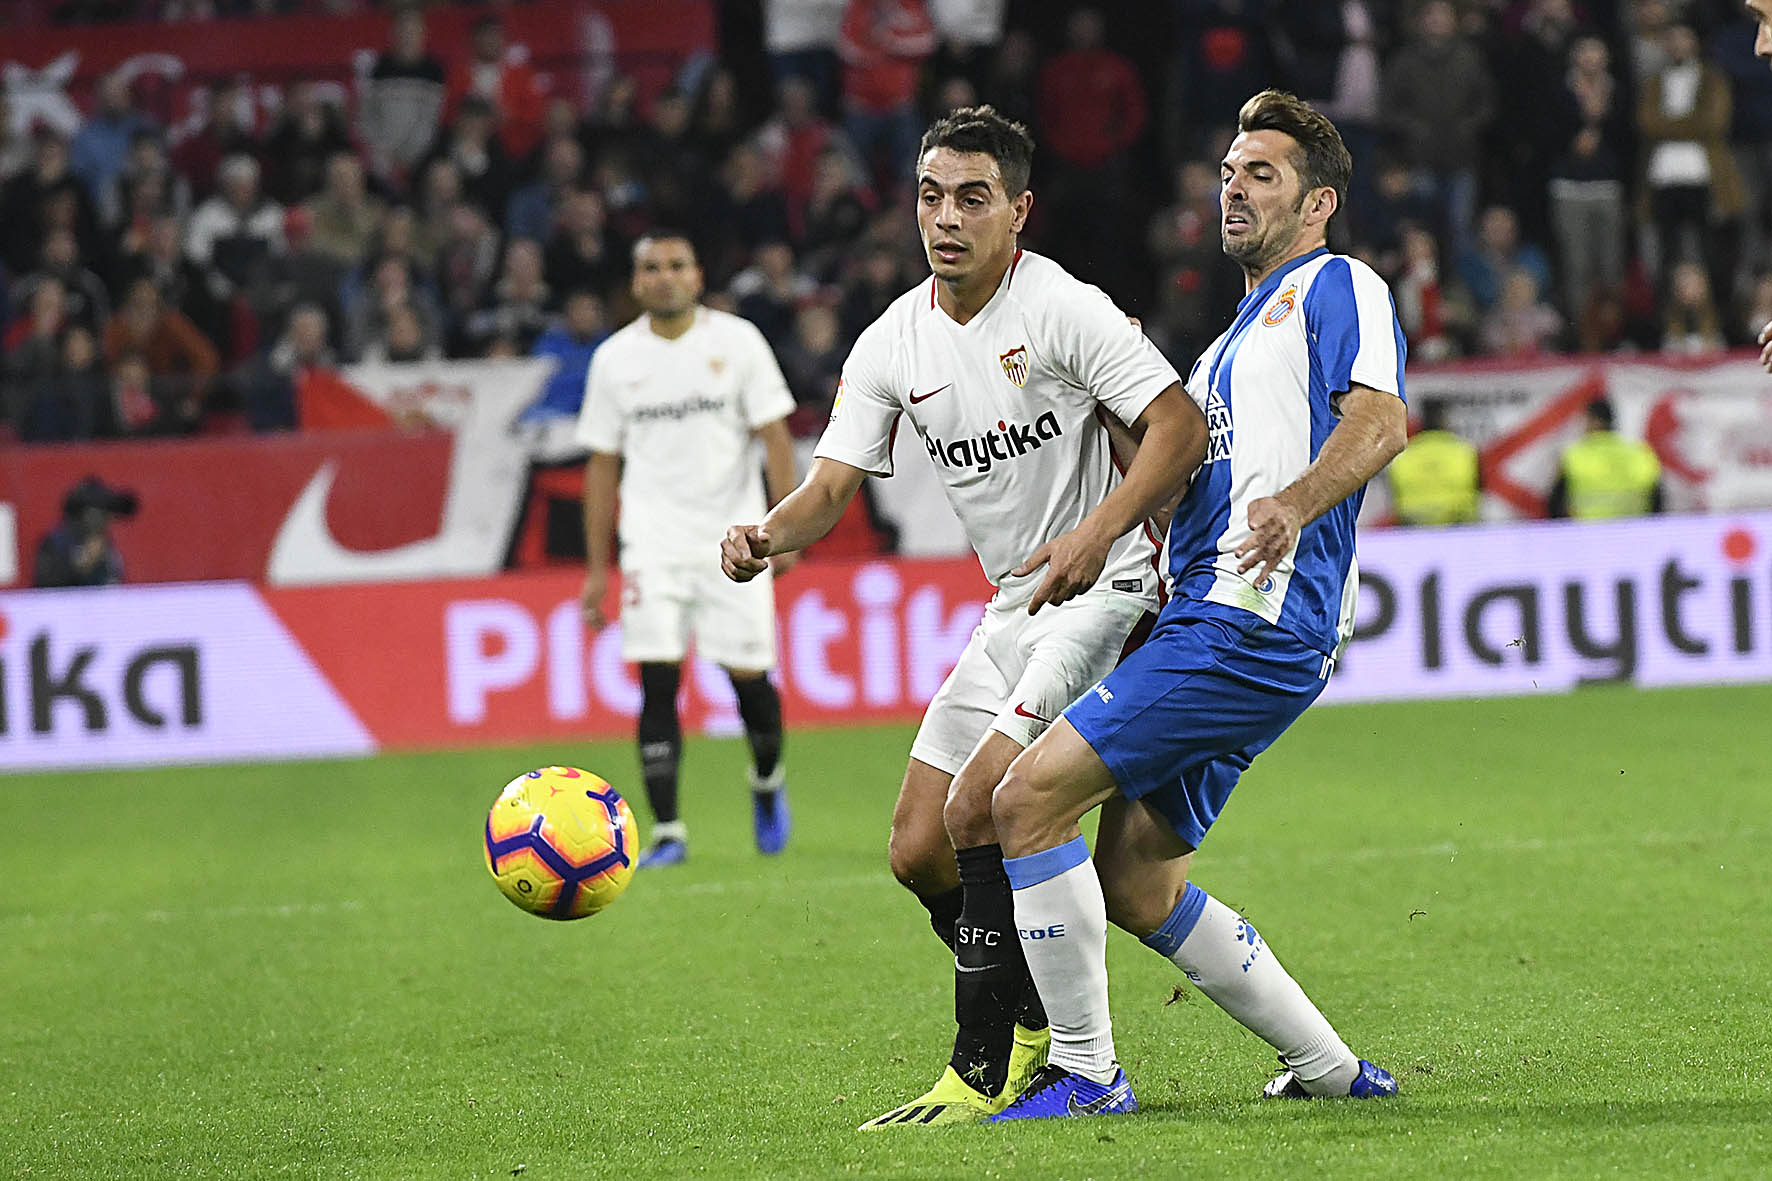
(1005, 366)
(673, 406)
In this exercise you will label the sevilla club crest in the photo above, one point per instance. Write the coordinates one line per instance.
(1015, 365)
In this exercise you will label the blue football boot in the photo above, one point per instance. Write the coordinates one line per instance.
(770, 816)
(1373, 1082)
(1055, 1092)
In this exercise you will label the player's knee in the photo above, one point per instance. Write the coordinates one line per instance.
(1131, 905)
(1014, 803)
(917, 860)
(967, 813)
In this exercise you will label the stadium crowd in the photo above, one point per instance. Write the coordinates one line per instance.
(1532, 176)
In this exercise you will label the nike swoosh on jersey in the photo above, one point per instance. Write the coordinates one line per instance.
(1024, 713)
(1097, 1106)
(915, 398)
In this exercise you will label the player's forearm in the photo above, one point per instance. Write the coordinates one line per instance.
(1371, 433)
(1169, 452)
(602, 477)
(778, 462)
(813, 509)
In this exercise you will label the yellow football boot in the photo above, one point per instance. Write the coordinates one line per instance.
(952, 1100)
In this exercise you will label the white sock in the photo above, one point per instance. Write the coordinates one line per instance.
(1229, 962)
(1062, 921)
(670, 830)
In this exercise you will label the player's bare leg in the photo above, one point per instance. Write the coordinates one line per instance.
(992, 1057)
(759, 705)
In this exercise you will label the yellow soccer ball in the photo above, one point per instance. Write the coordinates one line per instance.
(560, 843)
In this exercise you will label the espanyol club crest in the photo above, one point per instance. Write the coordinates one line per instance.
(1015, 365)
(1281, 307)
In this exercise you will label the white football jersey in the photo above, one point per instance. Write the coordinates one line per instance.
(680, 414)
(1006, 407)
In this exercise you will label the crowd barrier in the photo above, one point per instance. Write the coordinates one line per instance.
(236, 671)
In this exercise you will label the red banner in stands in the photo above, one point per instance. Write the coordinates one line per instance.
(49, 72)
(213, 508)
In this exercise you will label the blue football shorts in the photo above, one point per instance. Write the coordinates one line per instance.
(1182, 717)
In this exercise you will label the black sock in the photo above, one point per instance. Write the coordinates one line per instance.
(760, 707)
(661, 738)
(991, 979)
(944, 913)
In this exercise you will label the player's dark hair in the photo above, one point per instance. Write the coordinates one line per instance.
(666, 234)
(1325, 162)
(983, 130)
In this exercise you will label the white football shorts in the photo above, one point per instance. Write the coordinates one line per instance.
(664, 606)
(1019, 671)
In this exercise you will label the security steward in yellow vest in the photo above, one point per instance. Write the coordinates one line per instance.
(1605, 476)
(1436, 480)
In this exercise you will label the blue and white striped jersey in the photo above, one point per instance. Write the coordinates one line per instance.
(1270, 389)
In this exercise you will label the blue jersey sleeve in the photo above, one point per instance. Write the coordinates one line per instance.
(1354, 334)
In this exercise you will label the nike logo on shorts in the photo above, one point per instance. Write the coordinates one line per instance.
(1024, 713)
(915, 397)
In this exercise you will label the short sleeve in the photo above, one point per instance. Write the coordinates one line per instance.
(601, 424)
(865, 415)
(1104, 353)
(764, 395)
(1355, 337)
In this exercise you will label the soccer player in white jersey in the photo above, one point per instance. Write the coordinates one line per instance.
(1304, 398)
(674, 405)
(1007, 368)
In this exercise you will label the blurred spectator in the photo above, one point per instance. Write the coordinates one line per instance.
(801, 39)
(1646, 38)
(1531, 59)
(308, 133)
(1425, 310)
(439, 192)
(717, 121)
(1587, 174)
(369, 317)
(577, 255)
(405, 341)
(156, 253)
(1092, 112)
(571, 342)
(1691, 325)
(967, 30)
(674, 172)
(228, 131)
(770, 291)
(1196, 284)
(15, 146)
(884, 44)
(1694, 188)
(466, 264)
(520, 304)
(503, 79)
(133, 407)
(36, 201)
(181, 363)
(748, 212)
(1438, 98)
(148, 187)
(86, 302)
(812, 359)
(1520, 324)
(1603, 475)
(33, 359)
(401, 112)
(1392, 202)
(878, 281)
(792, 140)
(1436, 480)
(1220, 59)
(835, 215)
(1731, 47)
(481, 165)
(1497, 252)
(234, 234)
(80, 551)
(344, 218)
(75, 405)
(268, 386)
(1013, 79)
(532, 208)
(100, 149)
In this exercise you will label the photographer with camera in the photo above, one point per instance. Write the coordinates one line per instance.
(80, 550)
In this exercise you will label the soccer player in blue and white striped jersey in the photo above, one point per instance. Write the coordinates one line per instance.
(1303, 396)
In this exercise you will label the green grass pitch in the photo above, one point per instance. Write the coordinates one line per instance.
(1549, 917)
